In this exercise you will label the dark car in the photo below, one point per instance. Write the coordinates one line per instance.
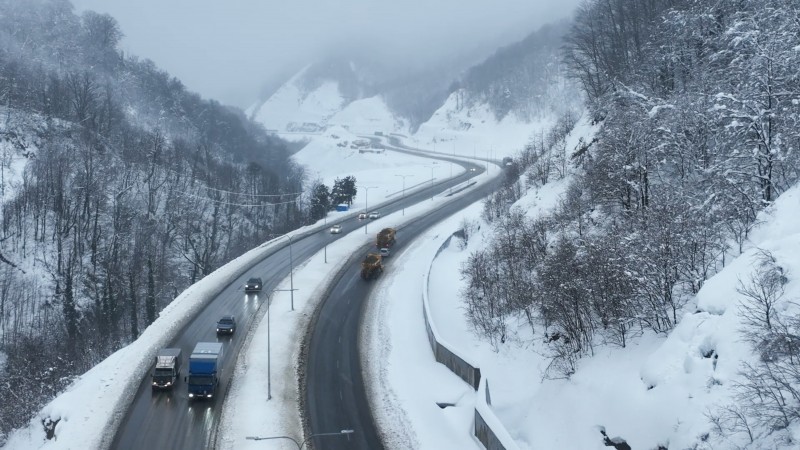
(253, 285)
(226, 325)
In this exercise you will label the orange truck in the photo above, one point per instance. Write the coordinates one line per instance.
(385, 238)
(372, 266)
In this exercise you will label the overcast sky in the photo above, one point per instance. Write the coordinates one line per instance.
(228, 50)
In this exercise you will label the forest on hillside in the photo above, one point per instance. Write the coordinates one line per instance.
(133, 188)
(527, 79)
(698, 105)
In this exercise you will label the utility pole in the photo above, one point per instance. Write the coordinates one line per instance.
(432, 183)
(404, 190)
(366, 205)
(269, 357)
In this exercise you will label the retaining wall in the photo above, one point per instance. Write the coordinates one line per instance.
(488, 428)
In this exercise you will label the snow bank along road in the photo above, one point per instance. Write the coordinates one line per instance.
(170, 420)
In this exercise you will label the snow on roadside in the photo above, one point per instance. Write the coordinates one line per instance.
(406, 382)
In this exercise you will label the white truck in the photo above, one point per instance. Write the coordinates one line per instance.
(168, 368)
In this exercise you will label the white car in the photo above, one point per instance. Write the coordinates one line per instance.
(385, 252)
(374, 215)
(336, 229)
(362, 216)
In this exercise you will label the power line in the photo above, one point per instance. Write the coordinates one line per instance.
(198, 181)
(245, 205)
(245, 193)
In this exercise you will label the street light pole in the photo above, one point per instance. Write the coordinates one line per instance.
(366, 205)
(451, 167)
(404, 190)
(269, 357)
(291, 271)
(259, 438)
(298, 444)
(291, 265)
(341, 433)
(431, 183)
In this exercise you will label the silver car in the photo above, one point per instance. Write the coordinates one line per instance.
(336, 229)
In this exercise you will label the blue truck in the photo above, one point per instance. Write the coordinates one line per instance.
(205, 368)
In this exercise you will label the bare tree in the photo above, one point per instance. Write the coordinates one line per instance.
(761, 292)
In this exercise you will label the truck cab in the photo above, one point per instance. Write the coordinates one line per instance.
(167, 370)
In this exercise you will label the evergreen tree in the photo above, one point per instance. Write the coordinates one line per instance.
(320, 202)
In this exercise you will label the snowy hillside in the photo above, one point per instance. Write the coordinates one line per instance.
(368, 115)
(470, 131)
(677, 390)
(20, 137)
(296, 112)
(474, 130)
(293, 110)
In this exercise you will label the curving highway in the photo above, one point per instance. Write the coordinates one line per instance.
(334, 393)
(168, 420)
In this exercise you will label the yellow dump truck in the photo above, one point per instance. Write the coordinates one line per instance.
(385, 238)
(371, 267)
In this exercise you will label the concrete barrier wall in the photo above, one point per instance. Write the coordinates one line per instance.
(456, 364)
(488, 428)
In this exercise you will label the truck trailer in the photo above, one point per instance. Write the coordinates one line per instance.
(167, 370)
(205, 368)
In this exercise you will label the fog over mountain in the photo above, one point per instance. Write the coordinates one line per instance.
(232, 51)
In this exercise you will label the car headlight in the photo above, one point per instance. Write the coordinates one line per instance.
(191, 395)
(217, 330)
(169, 383)
(209, 395)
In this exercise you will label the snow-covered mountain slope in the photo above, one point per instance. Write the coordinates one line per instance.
(20, 136)
(292, 109)
(299, 112)
(368, 115)
(294, 113)
(455, 126)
